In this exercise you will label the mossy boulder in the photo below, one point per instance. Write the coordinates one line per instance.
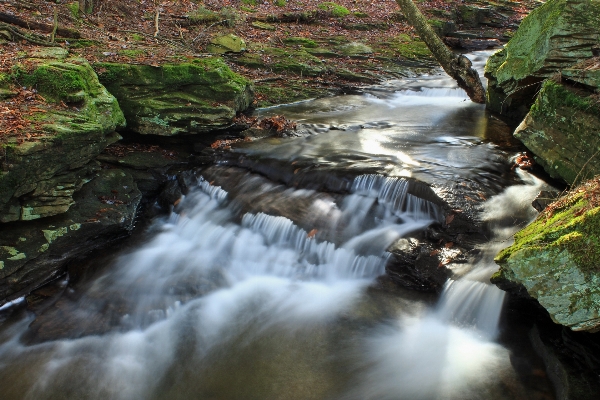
(191, 97)
(562, 131)
(226, 44)
(554, 36)
(41, 174)
(555, 259)
(37, 252)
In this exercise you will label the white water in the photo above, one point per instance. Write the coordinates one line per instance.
(254, 307)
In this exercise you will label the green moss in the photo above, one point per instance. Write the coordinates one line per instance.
(74, 9)
(203, 15)
(132, 53)
(572, 227)
(360, 14)
(304, 42)
(404, 46)
(527, 51)
(137, 38)
(556, 96)
(59, 81)
(271, 95)
(250, 2)
(280, 3)
(336, 10)
(81, 43)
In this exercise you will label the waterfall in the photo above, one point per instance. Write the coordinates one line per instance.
(255, 290)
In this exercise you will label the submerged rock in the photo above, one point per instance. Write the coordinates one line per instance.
(555, 259)
(35, 252)
(41, 174)
(554, 36)
(171, 99)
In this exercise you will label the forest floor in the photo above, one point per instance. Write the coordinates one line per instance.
(293, 49)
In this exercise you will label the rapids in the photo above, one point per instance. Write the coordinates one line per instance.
(235, 296)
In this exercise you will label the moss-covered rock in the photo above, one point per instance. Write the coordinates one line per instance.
(36, 252)
(562, 131)
(552, 37)
(40, 175)
(226, 44)
(170, 99)
(555, 259)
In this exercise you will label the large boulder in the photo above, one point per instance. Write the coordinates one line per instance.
(562, 131)
(48, 159)
(170, 99)
(35, 252)
(552, 37)
(555, 259)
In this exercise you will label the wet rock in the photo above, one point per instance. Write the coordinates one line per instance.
(416, 265)
(172, 99)
(562, 131)
(35, 252)
(544, 199)
(555, 259)
(170, 195)
(41, 175)
(555, 36)
(569, 362)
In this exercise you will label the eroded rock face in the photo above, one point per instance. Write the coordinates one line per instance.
(562, 131)
(553, 37)
(555, 259)
(35, 252)
(40, 176)
(186, 98)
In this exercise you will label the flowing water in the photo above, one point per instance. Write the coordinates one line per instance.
(252, 289)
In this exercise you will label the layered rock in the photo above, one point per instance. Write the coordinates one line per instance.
(552, 37)
(555, 259)
(171, 99)
(35, 252)
(40, 175)
(562, 131)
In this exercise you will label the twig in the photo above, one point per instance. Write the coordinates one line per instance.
(173, 42)
(207, 28)
(156, 16)
(27, 37)
(55, 27)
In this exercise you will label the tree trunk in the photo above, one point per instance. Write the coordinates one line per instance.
(457, 66)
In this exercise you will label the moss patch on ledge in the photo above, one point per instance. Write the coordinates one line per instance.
(48, 159)
(195, 96)
(556, 259)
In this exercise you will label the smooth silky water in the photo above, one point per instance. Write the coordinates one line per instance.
(225, 303)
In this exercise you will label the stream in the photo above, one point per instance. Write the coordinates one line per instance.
(266, 280)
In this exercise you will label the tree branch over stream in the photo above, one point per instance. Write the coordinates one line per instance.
(458, 67)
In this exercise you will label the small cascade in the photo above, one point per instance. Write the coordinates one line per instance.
(472, 303)
(393, 193)
(252, 289)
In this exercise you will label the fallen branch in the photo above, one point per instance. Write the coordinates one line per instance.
(207, 28)
(30, 38)
(63, 32)
(458, 67)
(53, 35)
(173, 42)
(156, 16)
